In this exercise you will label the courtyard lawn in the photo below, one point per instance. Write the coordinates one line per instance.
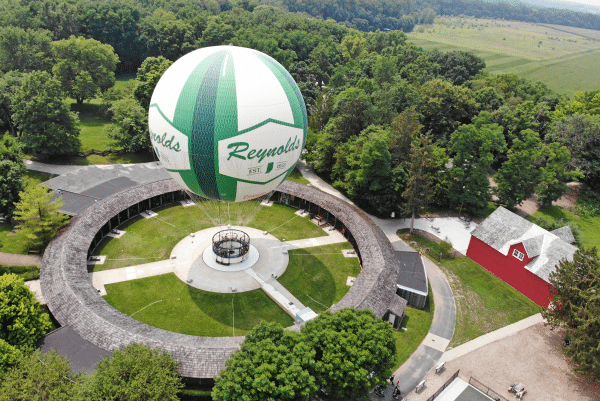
(417, 323)
(36, 177)
(149, 240)
(282, 222)
(317, 275)
(184, 309)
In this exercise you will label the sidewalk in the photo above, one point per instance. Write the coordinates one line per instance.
(56, 169)
(13, 259)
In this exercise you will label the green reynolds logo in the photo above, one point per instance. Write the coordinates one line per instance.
(167, 143)
(240, 150)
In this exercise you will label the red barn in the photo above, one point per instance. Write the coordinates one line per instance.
(520, 252)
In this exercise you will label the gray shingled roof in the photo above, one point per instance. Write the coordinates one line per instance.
(565, 234)
(412, 272)
(397, 305)
(503, 229)
(85, 186)
(74, 302)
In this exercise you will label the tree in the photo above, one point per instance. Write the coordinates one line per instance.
(43, 117)
(580, 133)
(129, 129)
(9, 355)
(38, 216)
(419, 187)
(137, 372)
(403, 129)
(445, 107)
(84, 66)
(307, 83)
(473, 147)
(21, 321)
(576, 306)
(520, 175)
(554, 174)
(147, 77)
(25, 50)
(9, 85)
(457, 66)
(12, 170)
(165, 35)
(350, 345)
(38, 376)
(270, 365)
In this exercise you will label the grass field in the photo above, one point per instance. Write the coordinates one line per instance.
(183, 309)
(297, 176)
(563, 58)
(417, 323)
(484, 302)
(317, 275)
(149, 240)
(589, 226)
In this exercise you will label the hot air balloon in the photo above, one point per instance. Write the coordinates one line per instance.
(228, 123)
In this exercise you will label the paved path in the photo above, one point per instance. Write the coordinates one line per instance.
(34, 286)
(57, 169)
(13, 259)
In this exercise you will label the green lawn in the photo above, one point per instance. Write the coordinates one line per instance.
(148, 240)
(184, 309)
(36, 177)
(589, 226)
(484, 302)
(417, 323)
(11, 243)
(317, 275)
(565, 61)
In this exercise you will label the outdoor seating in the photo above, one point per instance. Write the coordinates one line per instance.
(420, 386)
(439, 367)
(520, 394)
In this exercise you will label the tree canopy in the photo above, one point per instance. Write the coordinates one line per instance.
(12, 170)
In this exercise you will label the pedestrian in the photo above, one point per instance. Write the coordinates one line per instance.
(392, 379)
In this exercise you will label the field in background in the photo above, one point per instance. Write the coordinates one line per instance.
(564, 58)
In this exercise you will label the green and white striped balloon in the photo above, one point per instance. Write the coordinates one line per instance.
(228, 123)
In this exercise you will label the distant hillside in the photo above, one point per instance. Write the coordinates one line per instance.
(371, 15)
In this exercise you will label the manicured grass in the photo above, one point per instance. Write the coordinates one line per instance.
(589, 226)
(484, 302)
(172, 305)
(317, 275)
(148, 240)
(417, 323)
(36, 177)
(297, 176)
(123, 158)
(11, 243)
(281, 222)
(565, 61)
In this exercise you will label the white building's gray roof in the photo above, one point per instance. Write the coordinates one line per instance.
(565, 234)
(503, 229)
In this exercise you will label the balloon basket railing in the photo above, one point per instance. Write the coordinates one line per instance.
(230, 246)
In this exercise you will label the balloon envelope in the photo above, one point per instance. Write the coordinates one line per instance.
(228, 123)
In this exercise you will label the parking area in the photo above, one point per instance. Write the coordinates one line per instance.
(456, 230)
(533, 356)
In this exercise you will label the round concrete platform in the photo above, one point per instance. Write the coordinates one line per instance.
(271, 262)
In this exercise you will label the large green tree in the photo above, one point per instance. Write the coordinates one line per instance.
(21, 321)
(164, 34)
(554, 173)
(350, 344)
(12, 170)
(520, 174)
(421, 177)
(47, 126)
(473, 148)
(25, 50)
(137, 372)
(38, 216)
(129, 128)
(9, 85)
(574, 292)
(84, 66)
(38, 376)
(147, 77)
(270, 365)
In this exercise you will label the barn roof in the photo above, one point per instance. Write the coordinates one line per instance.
(503, 229)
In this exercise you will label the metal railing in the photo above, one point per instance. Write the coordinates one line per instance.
(486, 390)
(450, 380)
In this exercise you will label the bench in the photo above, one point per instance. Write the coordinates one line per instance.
(420, 386)
(439, 367)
